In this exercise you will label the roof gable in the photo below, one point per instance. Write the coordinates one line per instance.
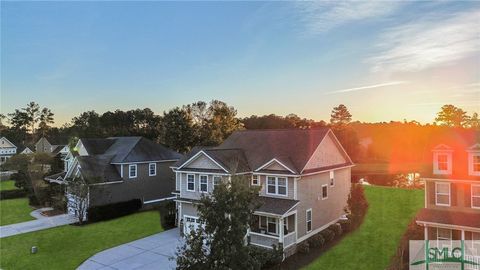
(202, 161)
(275, 165)
(328, 153)
(5, 143)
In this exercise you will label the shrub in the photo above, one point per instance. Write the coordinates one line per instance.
(12, 194)
(336, 228)
(32, 200)
(357, 205)
(328, 235)
(346, 224)
(316, 241)
(114, 210)
(266, 258)
(167, 214)
(303, 247)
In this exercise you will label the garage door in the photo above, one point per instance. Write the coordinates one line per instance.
(191, 223)
(71, 205)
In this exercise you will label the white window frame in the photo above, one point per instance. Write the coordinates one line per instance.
(471, 166)
(213, 181)
(277, 186)
(200, 183)
(191, 190)
(130, 171)
(326, 186)
(442, 238)
(436, 170)
(275, 220)
(472, 196)
(449, 193)
(257, 178)
(150, 169)
(332, 178)
(311, 220)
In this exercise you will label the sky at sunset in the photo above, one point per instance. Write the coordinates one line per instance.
(384, 60)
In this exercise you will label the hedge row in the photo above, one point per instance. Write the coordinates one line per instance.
(12, 194)
(114, 210)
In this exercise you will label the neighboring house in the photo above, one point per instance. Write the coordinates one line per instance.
(304, 177)
(120, 169)
(43, 145)
(7, 149)
(452, 189)
(25, 150)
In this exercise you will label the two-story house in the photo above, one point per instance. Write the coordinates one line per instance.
(120, 169)
(304, 176)
(452, 188)
(7, 149)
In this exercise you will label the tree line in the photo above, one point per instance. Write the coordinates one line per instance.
(208, 124)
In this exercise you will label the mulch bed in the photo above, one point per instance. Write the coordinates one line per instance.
(51, 213)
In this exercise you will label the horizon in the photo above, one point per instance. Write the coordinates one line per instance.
(387, 61)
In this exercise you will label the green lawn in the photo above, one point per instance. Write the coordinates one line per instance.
(7, 185)
(373, 244)
(68, 246)
(14, 211)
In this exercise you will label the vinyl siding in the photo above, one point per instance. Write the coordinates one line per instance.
(460, 197)
(203, 162)
(310, 196)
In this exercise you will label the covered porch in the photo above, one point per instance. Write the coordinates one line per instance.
(274, 223)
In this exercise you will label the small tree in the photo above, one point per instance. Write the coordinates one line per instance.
(220, 242)
(78, 188)
(340, 116)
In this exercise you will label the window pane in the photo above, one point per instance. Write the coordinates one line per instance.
(324, 192)
(271, 180)
(475, 190)
(282, 190)
(282, 181)
(272, 227)
(309, 215)
(443, 233)
(309, 226)
(442, 199)
(442, 158)
(271, 189)
(476, 201)
(443, 188)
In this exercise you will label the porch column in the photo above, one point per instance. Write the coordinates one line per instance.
(426, 232)
(463, 234)
(281, 231)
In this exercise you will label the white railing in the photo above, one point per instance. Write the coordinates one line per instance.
(263, 240)
(289, 239)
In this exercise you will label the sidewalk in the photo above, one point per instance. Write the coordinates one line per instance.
(41, 223)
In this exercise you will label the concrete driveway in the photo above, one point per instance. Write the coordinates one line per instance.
(152, 252)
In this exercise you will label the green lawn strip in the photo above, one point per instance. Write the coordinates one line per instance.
(68, 246)
(14, 211)
(373, 244)
(7, 185)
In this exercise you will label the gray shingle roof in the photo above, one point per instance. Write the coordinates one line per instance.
(129, 149)
(294, 146)
(97, 169)
(449, 217)
(275, 206)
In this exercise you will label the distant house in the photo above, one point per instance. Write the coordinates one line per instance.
(25, 150)
(125, 168)
(304, 178)
(7, 149)
(43, 145)
(452, 188)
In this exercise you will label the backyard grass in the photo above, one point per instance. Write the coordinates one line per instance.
(373, 244)
(7, 185)
(14, 211)
(68, 246)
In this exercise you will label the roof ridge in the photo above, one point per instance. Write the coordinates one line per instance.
(125, 156)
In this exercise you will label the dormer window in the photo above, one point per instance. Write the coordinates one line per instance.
(474, 163)
(442, 162)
